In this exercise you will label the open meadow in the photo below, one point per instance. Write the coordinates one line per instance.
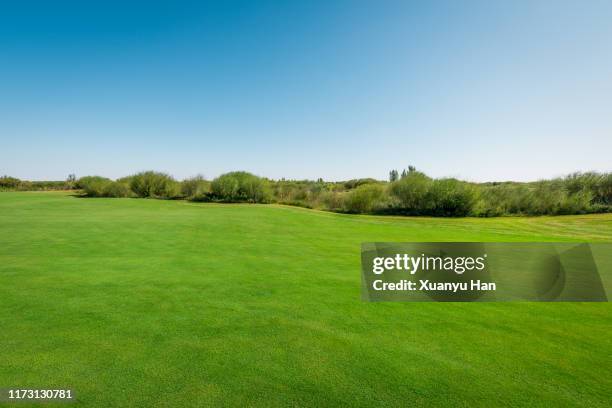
(139, 302)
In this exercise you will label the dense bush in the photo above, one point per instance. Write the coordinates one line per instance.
(9, 183)
(195, 188)
(450, 198)
(416, 194)
(13, 183)
(93, 186)
(354, 183)
(572, 195)
(409, 193)
(556, 198)
(599, 185)
(116, 189)
(603, 191)
(364, 199)
(332, 201)
(240, 186)
(498, 199)
(151, 184)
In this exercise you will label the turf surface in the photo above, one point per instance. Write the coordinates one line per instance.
(136, 302)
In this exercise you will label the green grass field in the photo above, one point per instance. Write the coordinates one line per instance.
(135, 302)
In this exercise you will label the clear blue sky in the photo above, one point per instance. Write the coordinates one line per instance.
(481, 90)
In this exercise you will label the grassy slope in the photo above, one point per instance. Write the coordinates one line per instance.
(171, 303)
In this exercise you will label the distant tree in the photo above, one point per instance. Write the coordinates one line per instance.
(70, 182)
(9, 182)
(393, 175)
(411, 169)
(319, 180)
(404, 174)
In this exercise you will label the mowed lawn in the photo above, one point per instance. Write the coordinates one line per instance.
(134, 302)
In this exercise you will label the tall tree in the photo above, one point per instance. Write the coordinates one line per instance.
(393, 175)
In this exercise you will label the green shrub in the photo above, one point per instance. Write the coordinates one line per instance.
(226, 187)
(505, 198)
(116, 189)
(410, 192)
(125, 180)
(602, 193)
(578, 182)
(9, 183)
(151, 184)
(364, 199)
(93, 186)
(241, 186)
(577, 203)
(547, 198)
(26, 185)
(354, 183)
(12, 183)
(195, 188)
(450, 198)
(332, 200)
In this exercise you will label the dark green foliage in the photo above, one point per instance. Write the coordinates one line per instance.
(354, 183)
(93, 186)
(555, 198)
(240, 186)
(9, 183)
(332, 201)
(151, 184)
(364, 199)
(13, 183)
(195, 188)
(414, 193)
(450, 198)
(393, 176)
(410, 192)
(126, 180)
(576, 194)
(506, 198)
(406, 172)
(116, 189)
(27, 185)
(71, 182)
(417, 194)
(599, 185)
(310, 194)
(603, 191)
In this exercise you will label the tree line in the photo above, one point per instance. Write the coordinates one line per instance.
(409, 192)
(8, 183)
